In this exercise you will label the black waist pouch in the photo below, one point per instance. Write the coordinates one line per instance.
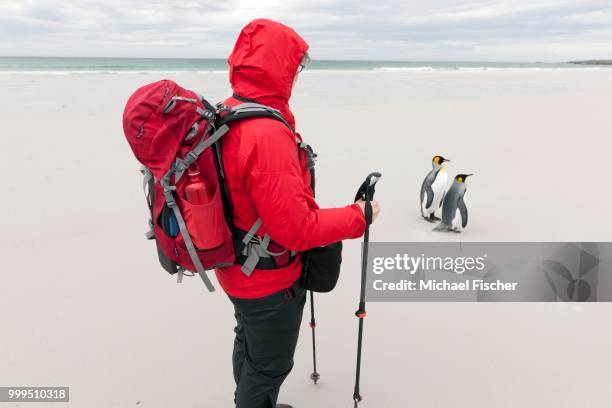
(321, 267)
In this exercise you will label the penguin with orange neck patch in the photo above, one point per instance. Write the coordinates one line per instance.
(433, 189)
(454, 211)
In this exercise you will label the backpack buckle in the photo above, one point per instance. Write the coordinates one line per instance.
(192, 157)
(169, 196)
(311, 156)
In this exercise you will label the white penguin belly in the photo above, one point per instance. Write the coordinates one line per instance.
(457, 221)
(439, 188)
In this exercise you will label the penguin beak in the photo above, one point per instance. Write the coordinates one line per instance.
(468, 175)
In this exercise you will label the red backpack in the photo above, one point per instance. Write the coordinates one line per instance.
(175, 133)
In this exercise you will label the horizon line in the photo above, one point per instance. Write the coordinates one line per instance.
(315, 60)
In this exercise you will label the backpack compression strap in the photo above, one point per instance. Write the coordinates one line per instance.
(146, 183)
(178, 169)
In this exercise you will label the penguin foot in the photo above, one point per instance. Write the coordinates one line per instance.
(431, 219)
(443, 228)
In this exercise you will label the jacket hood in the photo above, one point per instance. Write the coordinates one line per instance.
(264, 63)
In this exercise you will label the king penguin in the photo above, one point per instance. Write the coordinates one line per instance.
(433, 189)
(454, 211)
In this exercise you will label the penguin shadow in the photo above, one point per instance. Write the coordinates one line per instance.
(440, 203)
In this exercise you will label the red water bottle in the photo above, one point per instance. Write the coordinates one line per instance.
(196, 191)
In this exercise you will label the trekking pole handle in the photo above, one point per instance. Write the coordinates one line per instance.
(366, 190)
(372, 178)
(371, 181)
(366, 193)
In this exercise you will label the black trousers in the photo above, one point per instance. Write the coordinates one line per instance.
(266, 335)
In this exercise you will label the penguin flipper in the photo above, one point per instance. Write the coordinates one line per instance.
(463, 211)
(442, 199)
(422, 198)
(430, 196)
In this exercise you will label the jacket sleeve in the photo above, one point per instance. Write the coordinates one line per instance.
(275, 183)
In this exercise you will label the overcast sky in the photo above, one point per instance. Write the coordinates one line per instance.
(481, 30)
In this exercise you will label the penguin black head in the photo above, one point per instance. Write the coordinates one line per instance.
(439, 160)
(461, 177)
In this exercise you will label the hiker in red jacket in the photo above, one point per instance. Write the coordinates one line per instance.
(268, 178)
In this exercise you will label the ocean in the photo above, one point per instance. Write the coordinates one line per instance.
(68, 65)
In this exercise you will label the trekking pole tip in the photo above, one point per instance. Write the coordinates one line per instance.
(315, 377)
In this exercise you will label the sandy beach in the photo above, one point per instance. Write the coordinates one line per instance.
(85, 304)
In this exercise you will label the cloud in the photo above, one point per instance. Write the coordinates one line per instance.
(341, 29)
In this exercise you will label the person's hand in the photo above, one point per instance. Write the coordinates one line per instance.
(375, 208)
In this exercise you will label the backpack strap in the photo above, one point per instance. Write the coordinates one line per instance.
(183, 164)
(148, 185)
(146, 188)
(253, 253)
(253, 110)
(255, 247)
(188, 242)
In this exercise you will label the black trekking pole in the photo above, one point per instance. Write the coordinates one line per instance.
(366, 193)
(315, 375)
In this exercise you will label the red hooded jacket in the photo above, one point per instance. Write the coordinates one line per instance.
(264, 175)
